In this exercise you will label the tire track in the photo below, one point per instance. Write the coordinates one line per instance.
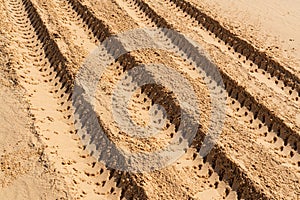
(71, 39)
(126, 61)
(202, 177)
(278, 144)
(260, 75)
(238, 171)
(50, 67)
(85, 113)
(260, 111)
(242, 47)
(224, 172)
(247, 104)
(291, 129)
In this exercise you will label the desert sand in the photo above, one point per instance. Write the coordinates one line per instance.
(57, 142)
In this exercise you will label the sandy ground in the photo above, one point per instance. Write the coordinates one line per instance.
(41, 50)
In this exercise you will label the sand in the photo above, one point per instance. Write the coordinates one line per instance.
(45, 154)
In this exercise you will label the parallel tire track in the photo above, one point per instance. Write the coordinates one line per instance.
(261, 59)
(226, 169)
(279, 145)
(260, 112)
(247, 66)
(58, 63)
(229, 172)
(237, 92)
(52, 52)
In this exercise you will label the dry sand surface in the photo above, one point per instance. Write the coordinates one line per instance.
(55, 144)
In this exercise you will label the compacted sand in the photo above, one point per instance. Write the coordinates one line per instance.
(50, 147)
